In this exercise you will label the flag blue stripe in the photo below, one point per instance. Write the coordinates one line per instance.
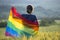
(14, 33)
(11, 31)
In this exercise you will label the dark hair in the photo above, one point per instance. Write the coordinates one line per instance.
(29, 9)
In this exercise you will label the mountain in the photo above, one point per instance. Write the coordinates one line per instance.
(4, 10)
(39, 11)
(47, 12)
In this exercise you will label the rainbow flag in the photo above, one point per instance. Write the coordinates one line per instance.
(17, 25)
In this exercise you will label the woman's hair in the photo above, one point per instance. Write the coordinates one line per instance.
(29, 9)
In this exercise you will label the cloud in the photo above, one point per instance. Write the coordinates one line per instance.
(48, 4)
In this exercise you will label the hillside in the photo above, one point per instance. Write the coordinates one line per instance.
(40, 12)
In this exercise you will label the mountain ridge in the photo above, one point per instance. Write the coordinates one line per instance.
(39, 11)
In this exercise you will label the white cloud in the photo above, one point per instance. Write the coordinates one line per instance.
(50, 4)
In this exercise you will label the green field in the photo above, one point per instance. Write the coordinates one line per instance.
(51, 32)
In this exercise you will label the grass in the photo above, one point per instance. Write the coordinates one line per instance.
(51, 32)
(52, 28)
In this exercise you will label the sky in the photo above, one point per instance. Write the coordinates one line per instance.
(48, 4)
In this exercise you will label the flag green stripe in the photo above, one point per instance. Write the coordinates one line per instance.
(28, 30)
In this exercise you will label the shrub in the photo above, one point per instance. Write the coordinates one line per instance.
(3, 24)
(47, 22)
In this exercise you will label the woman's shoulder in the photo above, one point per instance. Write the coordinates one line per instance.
(29, 15)
(33, 15)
